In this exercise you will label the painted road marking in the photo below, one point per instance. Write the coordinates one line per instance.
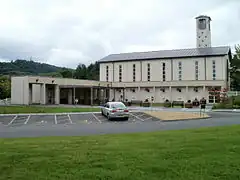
(96, 118)
(12, 120)
(136, 117)
(55, 119)
(69, 118)
(27, 119)
(148, 118)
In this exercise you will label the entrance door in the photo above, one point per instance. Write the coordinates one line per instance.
(214, 97)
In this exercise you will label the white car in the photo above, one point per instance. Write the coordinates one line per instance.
(115, 110)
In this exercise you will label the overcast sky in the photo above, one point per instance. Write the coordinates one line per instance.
(69, 32)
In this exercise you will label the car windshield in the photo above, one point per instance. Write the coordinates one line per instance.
(117, 105)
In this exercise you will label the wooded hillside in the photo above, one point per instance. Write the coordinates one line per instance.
(24, 67)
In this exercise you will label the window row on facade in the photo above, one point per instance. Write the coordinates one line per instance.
(162, 71)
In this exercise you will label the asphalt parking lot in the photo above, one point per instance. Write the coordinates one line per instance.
(94, 123)
(9, 121)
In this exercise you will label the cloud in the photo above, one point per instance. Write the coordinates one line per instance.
(69, 32)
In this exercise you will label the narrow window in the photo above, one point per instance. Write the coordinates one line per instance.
(120, 73)
(148, 72)
(179, 71)
(196, 70)
(107, 71)
(164, 71)
(214, 70)
(134, 72)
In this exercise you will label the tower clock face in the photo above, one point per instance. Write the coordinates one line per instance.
(202, 24)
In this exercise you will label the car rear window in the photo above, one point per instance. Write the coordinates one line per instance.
(117, 105)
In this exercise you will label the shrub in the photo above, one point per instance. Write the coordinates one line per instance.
(196, 103)
(146, 104)
(222, 106)
(167, 103)
(177, 103)
(188, 104)
(236, 100)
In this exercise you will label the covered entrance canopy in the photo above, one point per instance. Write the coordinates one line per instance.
(47, 90)
(84, 95)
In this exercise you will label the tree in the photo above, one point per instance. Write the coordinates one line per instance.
(81, 72)
(235, 70)
(91, 72)
(5, 87)
(66, 73)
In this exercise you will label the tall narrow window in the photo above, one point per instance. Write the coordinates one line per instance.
(148, 72)
(107, 71)
(164, 71)
(196, 70)
(179, 71)
(214, 70)
(134, 72)
(120, 73)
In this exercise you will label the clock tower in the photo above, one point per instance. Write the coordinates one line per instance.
(203, 31)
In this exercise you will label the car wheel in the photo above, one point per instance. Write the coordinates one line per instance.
(108, 117)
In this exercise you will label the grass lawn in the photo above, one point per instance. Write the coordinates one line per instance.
(40, 109)
(198, 154)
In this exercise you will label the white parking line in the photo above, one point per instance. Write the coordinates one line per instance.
(136, 117)
(96, 118)
(69, 118)
(12, 120)
(27, 119)
(141, 115)
(55, 118)
(148, 118)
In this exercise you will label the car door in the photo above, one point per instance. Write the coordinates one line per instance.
(105, 108)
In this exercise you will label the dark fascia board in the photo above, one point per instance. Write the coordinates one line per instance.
(203, 16)
(149, 59)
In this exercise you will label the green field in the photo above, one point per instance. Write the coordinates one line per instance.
(198, 154)
(41, 109)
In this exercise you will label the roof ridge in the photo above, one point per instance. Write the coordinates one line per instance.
(170, 53)
(169, 50)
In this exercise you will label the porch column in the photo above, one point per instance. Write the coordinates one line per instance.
(74, 94)
(204, 92)
(187, 96)
(139, 94)
(57, 96)
(114, 94)
(170, 91)
(70, 96)
(154, 93)
(91, 95)
(124, 94)
(43, 93)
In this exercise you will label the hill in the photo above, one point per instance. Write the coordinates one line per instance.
(24, 67)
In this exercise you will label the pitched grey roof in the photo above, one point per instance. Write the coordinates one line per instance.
(167, 54)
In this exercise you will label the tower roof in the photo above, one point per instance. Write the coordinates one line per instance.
(203, 16)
